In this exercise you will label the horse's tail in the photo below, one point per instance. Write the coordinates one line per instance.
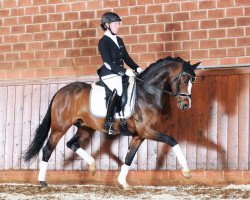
(41, 135)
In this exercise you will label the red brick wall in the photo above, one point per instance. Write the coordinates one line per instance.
(56, 38)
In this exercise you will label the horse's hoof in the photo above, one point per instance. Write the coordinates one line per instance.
(43, 184)
(92, 168)
(186, 174)
(126, 186)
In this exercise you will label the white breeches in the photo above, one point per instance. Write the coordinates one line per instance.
(113, 81)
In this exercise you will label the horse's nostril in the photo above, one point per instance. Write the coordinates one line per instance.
(185, 106)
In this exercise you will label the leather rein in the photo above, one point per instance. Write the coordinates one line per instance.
(173, 94)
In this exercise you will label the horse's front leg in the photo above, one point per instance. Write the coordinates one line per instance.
(133, 147)
(161, 137)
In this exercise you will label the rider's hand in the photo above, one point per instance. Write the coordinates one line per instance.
(130, 73)
(139, 70)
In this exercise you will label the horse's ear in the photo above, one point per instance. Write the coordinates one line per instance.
(196, 65)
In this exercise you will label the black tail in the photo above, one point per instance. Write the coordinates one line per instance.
(41, 135)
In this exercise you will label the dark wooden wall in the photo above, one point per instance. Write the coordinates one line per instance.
(214, 133)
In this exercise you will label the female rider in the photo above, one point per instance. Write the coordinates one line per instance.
(113, 53)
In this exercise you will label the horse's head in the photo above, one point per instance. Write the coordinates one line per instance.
(181, 80)
(172, 76)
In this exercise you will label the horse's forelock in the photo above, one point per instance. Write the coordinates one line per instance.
(187, 67)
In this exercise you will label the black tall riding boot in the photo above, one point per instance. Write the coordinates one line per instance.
(112, 103)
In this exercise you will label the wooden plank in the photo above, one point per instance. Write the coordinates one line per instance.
(134, 165)
(202, 114)
(222, 121)
(171, 161)
(3, 113)
(142, 156)
(152, 154)
(18, 129)
(114, 154)
(104, 149)
(212, 124)
(233, 134)
(172, 130)
(223, 71)
(123, 148)
(243, 121)
(44, 102)
(88, 148)
(249, 120)
(161, 160)
(95, 147)
(9, 133)
(52, 161)
(192, 129)
(35, 112)
(77, 160)
(61, 145)
(182, 132)
(77, 164)
(68, 153)
(26, 123)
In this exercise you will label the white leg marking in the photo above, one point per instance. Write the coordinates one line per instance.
(180, 157)
(88, 158)
(42, 171)
(123, 174)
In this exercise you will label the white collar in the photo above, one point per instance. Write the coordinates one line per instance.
(107, 33)
(113, 37)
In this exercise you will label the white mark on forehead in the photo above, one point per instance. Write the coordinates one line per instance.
(189, 87)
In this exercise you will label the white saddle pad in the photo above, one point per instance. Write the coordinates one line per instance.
(98, 103)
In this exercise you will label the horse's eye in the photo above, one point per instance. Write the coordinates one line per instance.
(185, 80)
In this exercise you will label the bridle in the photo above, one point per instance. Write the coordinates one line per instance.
(177, 78)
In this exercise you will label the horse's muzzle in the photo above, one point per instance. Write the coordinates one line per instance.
(184, 103)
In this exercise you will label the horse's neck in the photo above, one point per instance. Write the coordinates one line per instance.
(152, 96)
(157, 77)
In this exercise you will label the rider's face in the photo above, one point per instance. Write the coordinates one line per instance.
(114, 26)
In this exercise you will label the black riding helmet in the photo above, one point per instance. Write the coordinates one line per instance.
(109, 17)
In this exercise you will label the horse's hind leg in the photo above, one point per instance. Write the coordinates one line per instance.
(53, 140)
(75, 144)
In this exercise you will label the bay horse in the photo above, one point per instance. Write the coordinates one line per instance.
(154, 86)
